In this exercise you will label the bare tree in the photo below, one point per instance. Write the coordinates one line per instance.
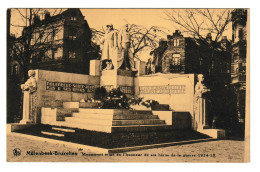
(140, 37)
(199, 22)
(32, 39)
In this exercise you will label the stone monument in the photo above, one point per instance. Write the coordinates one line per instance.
(28, 88)
(109, 51)
(126, 59)
(117, 61)
(200, 104)
(116, 51)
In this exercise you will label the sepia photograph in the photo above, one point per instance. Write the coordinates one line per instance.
(127, 85)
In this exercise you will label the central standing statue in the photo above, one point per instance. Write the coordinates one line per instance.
(116, 51)
(127, 59)
(109, 48)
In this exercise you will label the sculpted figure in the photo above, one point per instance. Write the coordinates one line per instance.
(200, 88)
(200, 103)
(109, 65)
(30, 84)
(109, 45)
(28, 88)
(124, 45)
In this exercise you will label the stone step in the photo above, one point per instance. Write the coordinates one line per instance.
(135, 116)
(52, 134)
(92, 127)
(89, 121)
(114, 129)
(114, 122)
(114, 111)
(137, 122)
(141, 128)
(115, 117)
(161, 107)
(92, 116)
(65, 112)
(81, 104)
(66, 130)
(89, 105)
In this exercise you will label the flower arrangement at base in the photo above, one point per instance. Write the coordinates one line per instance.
(150, 103)
(115, 99)
(144, 105)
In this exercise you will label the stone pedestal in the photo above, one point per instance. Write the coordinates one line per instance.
(123, 79)
(94, 68)
(201, 114)
(140, 66)
(26, 107)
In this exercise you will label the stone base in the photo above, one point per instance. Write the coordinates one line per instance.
(214, 133)
(118, 141)
(118, 78)
(81, 104)
(25, 122)
(119, 72)
(16, 127)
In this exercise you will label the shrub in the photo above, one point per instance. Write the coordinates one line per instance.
(100, 93)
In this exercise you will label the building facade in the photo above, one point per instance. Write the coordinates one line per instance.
(181, 54)
(61, 42)
(58, 43)
(239, 59)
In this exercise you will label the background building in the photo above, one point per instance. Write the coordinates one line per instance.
(181, 54)
(239, 60)
(61, 42)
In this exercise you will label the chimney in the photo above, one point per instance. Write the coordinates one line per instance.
(224, 43)
(36, 19)
(177, 33)
(209, 38)
(47, 15)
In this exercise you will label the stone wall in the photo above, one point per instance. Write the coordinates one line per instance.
(177, 90)
(54, 88)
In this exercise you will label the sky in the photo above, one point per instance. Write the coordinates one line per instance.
(98, 18)
(117, 17)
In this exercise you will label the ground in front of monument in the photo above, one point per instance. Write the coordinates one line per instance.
(18, 146)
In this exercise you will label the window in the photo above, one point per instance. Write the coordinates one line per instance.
(201, 61)
(176, 60)
(55, 34)
(73, 18)
(241, 34)
(41, 37)
(72, 55)
(15, 69)
(176, 42)
(72, 34)
(48, 55)
(72, 37)
(33, 41)
(56, 53)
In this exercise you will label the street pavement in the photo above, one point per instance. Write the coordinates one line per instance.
(23, 148)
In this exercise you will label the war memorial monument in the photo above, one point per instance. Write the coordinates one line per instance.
(56, 104)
